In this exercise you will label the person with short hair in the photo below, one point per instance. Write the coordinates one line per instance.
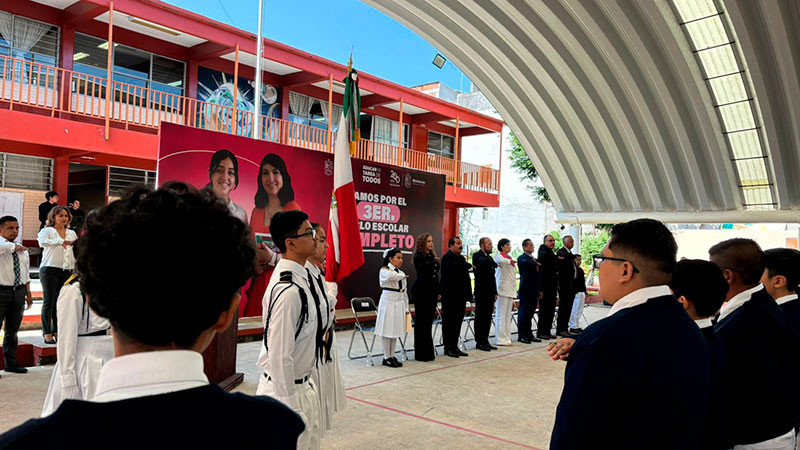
(154, 392)
(761, 351)
(390, 323)
(456, 288)
(51, 200)
(626, 375)
(15, 289)
(529, 292)
(291, 325)
(700, 287)
(548, 274)
(567, 275)
(78, 215)
(425, 292)
(506, 278)
(580, 297)
(485, 293)
(58, 261)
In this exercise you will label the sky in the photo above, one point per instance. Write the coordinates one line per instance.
(331, 28)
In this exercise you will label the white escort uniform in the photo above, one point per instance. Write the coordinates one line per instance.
(393, 305)
(506, 278)
(289, 351)
(84, 347)
(326, 374)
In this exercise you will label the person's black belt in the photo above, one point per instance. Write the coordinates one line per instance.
(392, 289)
(11, 288)
(95, 333)
(300, 381)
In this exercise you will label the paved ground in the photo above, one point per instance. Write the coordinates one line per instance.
(501, 399)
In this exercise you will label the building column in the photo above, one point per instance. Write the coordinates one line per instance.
(575, 232)
(61, 178)
(191, 79)
(65, 61)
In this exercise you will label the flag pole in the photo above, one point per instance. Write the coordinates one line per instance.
(257, 88)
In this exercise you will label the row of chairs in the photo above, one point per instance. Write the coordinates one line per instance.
(365, 306)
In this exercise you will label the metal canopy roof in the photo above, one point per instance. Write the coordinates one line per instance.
(634, 108)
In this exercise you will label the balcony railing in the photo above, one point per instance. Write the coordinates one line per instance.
(57, 90)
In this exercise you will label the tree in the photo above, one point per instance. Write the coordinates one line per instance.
(522, 163)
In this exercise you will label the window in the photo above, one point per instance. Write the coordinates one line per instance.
(121, 178)
(441, 144)
(26, 172)
(28, 39)
(384, 130)
(131, 66)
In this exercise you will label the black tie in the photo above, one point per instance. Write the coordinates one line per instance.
(399, 283)
(319, 313)
(17, 275)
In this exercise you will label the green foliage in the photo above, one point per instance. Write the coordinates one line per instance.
(522, 163)
(591, 244)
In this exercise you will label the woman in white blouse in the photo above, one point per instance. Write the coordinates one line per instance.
(57, 264)
(393, 305)
(506, 277)
(84, 346)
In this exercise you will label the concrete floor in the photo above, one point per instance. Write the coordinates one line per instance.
(501, 399)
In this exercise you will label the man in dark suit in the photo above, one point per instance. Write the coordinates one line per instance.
(51, 199)
(485, 293)
(700, 287)
(154, 392)
(456, 292)
(761, 351)
(567, 273)
(529, 292)
(640, 358)
(548, 273)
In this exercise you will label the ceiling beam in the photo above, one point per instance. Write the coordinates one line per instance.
(80, 12)
(209, 50)
(429, 117)
(300, 78)
(376, 100)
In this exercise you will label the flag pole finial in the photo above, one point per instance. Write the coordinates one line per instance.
(350, 61)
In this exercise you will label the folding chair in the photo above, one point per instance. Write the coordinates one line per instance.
(469, 319)
(437, 322)
(362, 305)
(515, 314)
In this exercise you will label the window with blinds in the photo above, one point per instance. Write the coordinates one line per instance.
(441, 144)
(26, 172)
(122, 178)
(28, 39)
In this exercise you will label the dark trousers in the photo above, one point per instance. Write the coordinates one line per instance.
(527, 306)
(12, 306)
(52, 279)
(484, 307)
(547, 310)
(566, 297)
(424, 312)
(452, 317)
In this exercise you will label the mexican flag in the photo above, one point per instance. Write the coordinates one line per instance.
(345, 253)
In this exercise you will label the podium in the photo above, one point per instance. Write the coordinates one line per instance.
(219, 359)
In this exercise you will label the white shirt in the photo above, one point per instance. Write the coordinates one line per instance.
(737, 301)
(54, 254)
(7, 264)
(75, 318)
(639, 297)
(288, 359)
(786, 298)
(703, 323)
(505, 276)
(327, 306)
(149, 373)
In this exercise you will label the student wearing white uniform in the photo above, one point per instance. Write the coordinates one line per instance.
(154, 394)
(506, 277)
(291, 330)
(15, 289)
(84, 347)
(57, 264)
(390, 323)
(326, 374)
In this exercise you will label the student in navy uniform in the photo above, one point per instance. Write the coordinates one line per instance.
(626, 375)
(761, 352)
(485, 293)
(700, 287)
(456, 289)
(154, 394)
(781, 279)
(529, 293)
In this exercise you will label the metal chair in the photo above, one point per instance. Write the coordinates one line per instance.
(515, 314)
(437, 322)
(362, 305)
(469, 319)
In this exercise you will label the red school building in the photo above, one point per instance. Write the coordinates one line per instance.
(61, 60)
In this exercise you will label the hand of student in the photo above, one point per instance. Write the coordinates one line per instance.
(541, 294)
(560, 349)
(67, 244)
(28, 300)
(439, 297)
(20, 248)
(264, 256)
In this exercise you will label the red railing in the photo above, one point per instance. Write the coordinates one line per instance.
(54, 89)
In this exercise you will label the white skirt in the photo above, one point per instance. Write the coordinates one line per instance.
(391, 320)
(92, 353)
(330, 386)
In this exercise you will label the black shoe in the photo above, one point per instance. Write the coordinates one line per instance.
(484, 347)
(576, 330)
(492, 347)
(16, 369)
(535, 339)
(524, 340)
(452, 353)
(391, 362)
(460, 353)
(396, 362)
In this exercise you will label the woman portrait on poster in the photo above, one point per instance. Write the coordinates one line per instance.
(223, 176)
(274, 193)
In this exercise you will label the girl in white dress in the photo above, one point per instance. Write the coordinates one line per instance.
(84, 346)
(506, 277)
(393, 305)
